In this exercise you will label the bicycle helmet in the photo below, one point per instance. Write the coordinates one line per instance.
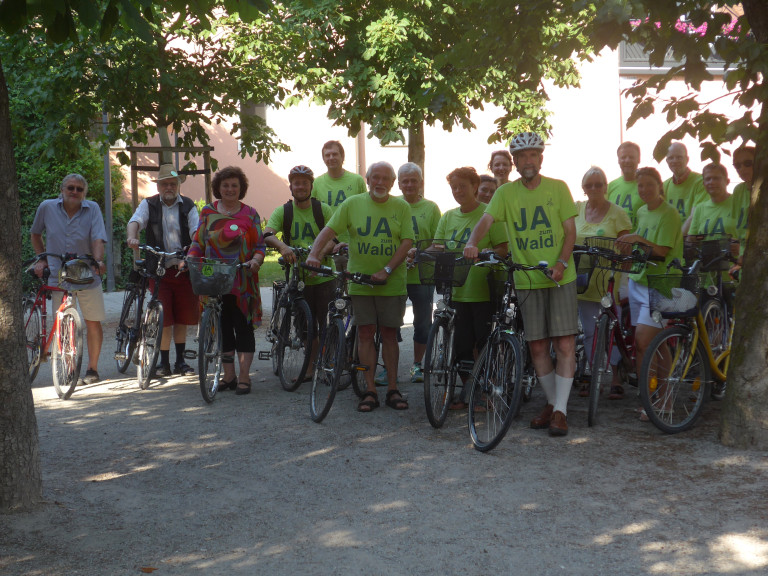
(526, 141)
(76, 272)
(301, 170)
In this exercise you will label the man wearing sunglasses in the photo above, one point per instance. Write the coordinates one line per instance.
(74, 225)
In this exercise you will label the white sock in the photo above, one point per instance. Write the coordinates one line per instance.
(563, 386)
(548, 385)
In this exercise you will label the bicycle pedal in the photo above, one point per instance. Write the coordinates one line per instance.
(190, 354)
(466, 366)
(265, 355)
(360, 367)
(120, 356)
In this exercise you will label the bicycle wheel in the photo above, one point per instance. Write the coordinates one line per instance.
(127, 330)
(349, 344)
(439, 377)
(278, 314)
(33, 330)
(600, 368)
(295, 345)
(209, 354)
(495, 391)
(67, 353)
(149, 343)
(717, 325)
(673, 380)
(328, 369)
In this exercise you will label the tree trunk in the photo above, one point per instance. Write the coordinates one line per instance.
(416, 152)
(20, 478)
(744, 421)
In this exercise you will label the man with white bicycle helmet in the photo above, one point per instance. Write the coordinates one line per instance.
(300, 221)
(540, 216)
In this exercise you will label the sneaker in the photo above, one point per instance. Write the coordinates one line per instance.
(417, 374)
(163, 370)
(183, 368)
(381, 378)
(91, 377)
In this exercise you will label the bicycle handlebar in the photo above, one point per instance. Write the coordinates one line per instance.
(356, 277)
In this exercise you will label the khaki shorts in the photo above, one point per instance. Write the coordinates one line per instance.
(387, 311)
(549, 312)
(91, 303)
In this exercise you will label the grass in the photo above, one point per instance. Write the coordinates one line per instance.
(271, 270)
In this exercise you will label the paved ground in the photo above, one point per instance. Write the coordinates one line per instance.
(157, 479)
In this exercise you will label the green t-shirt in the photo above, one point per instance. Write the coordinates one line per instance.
(686, 195)
(375, 231)
(456, 225)
(615, 220)
(663, 227)
(534, 222)
(716, 220)
(425, 215)
(303, 233)
(624, 194)
(333, 191)
(741, 198)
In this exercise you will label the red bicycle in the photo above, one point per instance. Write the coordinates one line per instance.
(64, 340)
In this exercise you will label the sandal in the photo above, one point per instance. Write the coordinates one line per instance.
(243, 388)
(398, 403)
(231, 385)
(368, 405)
(617, 392)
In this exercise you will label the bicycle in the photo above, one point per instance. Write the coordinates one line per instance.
(609, 256)
(678, 366)
(496, 390)
(441, 264)
(67, 329)
(291, 328)
(212, 278)
(332, 358)
(139, 332)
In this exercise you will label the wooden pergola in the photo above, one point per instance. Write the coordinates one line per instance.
(159, 150)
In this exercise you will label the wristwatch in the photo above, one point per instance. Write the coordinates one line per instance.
(563, 262)
(388, 270)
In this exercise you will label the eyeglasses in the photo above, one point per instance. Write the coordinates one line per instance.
(78, 188)
(745, 164)
(592, 185)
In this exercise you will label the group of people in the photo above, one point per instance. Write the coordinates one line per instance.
(533, 218)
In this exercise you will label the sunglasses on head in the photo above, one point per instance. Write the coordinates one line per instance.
(745, 164)
(78, 188)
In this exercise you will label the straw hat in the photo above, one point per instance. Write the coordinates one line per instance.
(168, 171)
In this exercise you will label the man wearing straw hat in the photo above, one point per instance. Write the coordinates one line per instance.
(170, 219)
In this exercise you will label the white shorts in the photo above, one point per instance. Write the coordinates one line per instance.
(91, 303)
(639, 306)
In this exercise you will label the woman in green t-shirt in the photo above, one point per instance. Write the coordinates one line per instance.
(658, 226)
(598, 217)
(471, 301)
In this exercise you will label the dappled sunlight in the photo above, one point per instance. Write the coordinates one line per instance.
(394, 505)
(104, 476)
(309, 455)
(743, 550)
(610, 537)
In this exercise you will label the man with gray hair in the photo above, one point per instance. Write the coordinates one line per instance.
(685, 189)
(380, 233)
(74, 225)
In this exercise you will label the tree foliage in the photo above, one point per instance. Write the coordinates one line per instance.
(396, 64)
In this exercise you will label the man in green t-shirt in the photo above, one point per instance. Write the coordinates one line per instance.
(714, 217)
(304, 228)
(743, 162)
(685, 189)
(540, 216)
(623, 190)
(380, 233)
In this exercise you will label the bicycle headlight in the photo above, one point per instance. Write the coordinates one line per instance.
(606, 301)
(340, 303)
(656, 316)
(712, 290)
(301, 285)
(441, 305)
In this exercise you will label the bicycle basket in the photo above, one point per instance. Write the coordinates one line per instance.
(211, 277)
(713, 252)
(674, 295)
(76, 272)
(441, 263)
